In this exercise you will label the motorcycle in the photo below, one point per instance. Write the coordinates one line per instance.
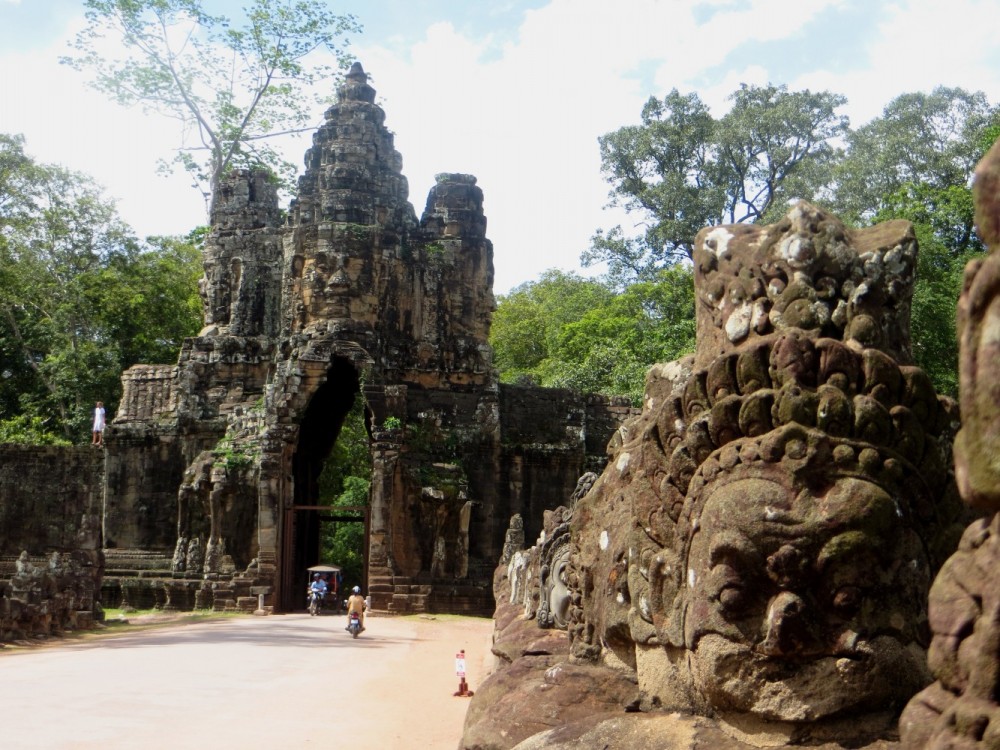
(354, 624)
(315, 601)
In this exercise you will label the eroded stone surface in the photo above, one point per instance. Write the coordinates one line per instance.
(759, 548)
(960, 709)
(807, 272)
(788, 492)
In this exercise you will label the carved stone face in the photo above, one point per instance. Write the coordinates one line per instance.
(556, 590)
(802, 607)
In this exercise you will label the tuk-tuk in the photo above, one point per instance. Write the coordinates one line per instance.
(330, 574)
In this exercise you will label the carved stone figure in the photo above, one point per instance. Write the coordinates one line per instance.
(760, 546)
(513, 539)
(555, 594)
(798, 587)
(960, 709)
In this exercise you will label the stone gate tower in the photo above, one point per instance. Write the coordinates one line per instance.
(212, 464)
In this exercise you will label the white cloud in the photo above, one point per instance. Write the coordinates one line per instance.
(918, 45)
(526, 123)
(524, 117)
(65, 122)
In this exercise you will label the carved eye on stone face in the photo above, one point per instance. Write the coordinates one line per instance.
(731, 590)
(733, 599)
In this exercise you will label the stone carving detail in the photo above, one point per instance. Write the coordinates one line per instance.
(514, 539)
(535, 680)
(554, 593)
(761, 543)
(48, 596)
(239, 288)
(807, 272)
(537, 577)
(960, 709)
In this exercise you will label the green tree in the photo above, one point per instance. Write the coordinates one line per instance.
(568, 332)
(232, 87)
(924, 144)
(662, 170)
(681, 170)
(148, 300)
(610, 348)
(529, 320)
(80, 297)
(346, 481)
(935, 297)
(775, 145)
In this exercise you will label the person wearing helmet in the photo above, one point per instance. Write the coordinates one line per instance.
(356, 603)
(318, 586)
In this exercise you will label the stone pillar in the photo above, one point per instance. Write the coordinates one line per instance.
(385, 457)
(242, 257)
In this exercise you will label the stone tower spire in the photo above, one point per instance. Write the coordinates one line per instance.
(240, 289)
(417, 296)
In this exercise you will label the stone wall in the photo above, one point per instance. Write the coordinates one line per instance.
(44, 493)
(50, 552)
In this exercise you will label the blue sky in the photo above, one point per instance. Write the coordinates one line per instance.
(517, 92)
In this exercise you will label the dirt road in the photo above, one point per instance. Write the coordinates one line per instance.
(287, 681)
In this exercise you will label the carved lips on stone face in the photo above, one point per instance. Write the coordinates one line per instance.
(800, 603)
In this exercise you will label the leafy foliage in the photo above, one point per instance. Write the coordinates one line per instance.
(231, 87)
(682, 170)
(345, 481)
(28, 430)
(921, 142)
(81, 298)
(775, 145)
(935, 297)
(232, 456)
(568, 332)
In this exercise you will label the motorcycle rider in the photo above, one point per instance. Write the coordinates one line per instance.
(356, 603)
(318, 587)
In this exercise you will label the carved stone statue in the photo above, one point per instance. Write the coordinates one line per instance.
(960, 709)
(514, 538)
(797, 590)
(760, 547)
(555, 594)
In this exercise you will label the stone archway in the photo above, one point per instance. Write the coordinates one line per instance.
(319, 430)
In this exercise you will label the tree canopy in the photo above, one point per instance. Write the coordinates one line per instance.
(681, 169)
(565, 331)
(81, 298)
(926, 144)
(232, 87)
